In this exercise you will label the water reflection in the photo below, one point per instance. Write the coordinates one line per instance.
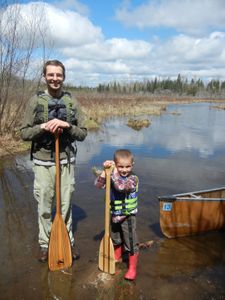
(197, 132)
(185, 150)
(197, 129)
(175, 154)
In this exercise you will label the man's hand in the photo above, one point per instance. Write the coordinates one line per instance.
(54, 124)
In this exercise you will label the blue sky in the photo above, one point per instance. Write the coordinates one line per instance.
(101, 41)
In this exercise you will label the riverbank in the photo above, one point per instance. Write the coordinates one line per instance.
(10, 146)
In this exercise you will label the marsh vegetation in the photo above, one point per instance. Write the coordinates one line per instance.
(100, 106)
(138, 124)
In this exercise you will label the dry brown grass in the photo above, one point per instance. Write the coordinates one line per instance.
(101, 106)
(218, 107)
(10, 146)
(138, 124)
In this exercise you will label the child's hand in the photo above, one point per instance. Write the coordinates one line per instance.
(108, 164)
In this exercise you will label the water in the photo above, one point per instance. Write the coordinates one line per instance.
(177, 153)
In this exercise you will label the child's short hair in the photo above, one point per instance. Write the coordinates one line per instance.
(123, 153)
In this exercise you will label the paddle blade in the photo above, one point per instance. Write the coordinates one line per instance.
(59, 250)
(106, 259)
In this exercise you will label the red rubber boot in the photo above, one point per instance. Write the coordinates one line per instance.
(118, 253)
(132, 271)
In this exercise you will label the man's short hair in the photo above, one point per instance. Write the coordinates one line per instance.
(54, 62)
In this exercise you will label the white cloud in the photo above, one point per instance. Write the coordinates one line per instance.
(192, 16)
(189, 49)
(111, 49)
(121, 59)
(60, 27)
(90, 58)
(68, 28)
(103, 67)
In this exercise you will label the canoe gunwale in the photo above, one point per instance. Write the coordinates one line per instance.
(192, 196)
(164, 199)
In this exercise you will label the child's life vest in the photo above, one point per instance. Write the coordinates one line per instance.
(122, 203)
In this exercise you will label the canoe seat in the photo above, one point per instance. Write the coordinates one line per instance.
(195, 196)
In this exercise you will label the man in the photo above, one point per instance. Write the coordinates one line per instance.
(46, 113)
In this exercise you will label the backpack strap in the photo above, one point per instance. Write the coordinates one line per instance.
(43, 101)
(68, 103)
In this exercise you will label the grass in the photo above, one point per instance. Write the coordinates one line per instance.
(10, 146)
(218, 107)
(137, 124)
(99, 107)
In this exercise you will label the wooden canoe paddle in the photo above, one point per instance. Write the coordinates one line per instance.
(59, 250)
(106, 259)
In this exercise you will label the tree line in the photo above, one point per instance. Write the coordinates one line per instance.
(180, 87)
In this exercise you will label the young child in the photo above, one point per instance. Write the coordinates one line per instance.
(124, 192)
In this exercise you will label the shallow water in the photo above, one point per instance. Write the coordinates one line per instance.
(178, 153)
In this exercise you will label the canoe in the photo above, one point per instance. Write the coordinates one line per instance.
(192, 213)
